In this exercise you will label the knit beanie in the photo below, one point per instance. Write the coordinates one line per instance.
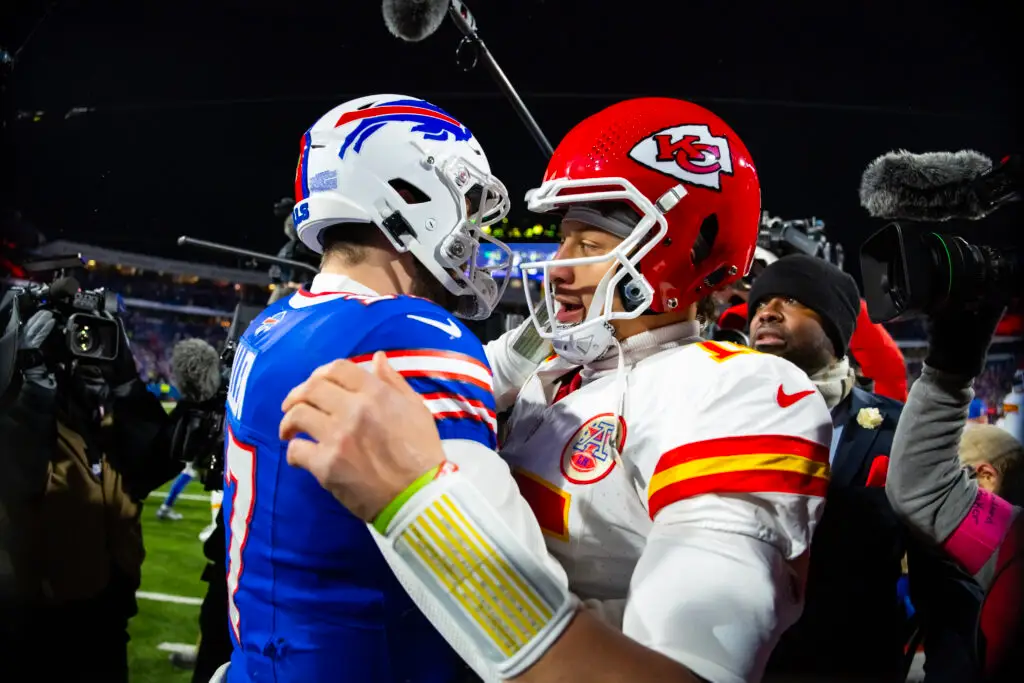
(818, 285)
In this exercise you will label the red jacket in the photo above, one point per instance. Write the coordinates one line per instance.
(871, 345)
(1002, 613)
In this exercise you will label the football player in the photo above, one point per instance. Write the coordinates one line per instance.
(394, 192)
(676, 481)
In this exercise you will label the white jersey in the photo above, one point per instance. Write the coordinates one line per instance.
(694, 536)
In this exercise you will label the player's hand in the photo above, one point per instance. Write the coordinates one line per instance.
(372, 434)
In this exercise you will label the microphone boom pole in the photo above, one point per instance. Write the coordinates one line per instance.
(464, 20)
(186, 241)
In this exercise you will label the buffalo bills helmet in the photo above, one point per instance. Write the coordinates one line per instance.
(419, 175)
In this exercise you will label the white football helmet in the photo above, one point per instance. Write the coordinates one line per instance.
(411, 169)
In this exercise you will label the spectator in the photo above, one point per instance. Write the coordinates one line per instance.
(994, 459)
(805, 310)
(945, 502)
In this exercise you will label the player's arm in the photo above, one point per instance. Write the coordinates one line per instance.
(718, 583)
(470, 530)
(495, 600)
(455, 384)
(500, 603)
(513, 357)
(735, 497)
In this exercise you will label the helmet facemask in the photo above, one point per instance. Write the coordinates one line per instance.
(588, 340)
(480, 200)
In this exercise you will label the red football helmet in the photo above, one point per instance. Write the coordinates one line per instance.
(691, 181)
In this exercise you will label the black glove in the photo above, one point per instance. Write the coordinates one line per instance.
(958, 340)
(32, 337)
(121, 371)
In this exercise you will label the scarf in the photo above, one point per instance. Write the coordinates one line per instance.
(835, 381)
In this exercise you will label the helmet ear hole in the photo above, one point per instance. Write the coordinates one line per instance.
(705, 241)
(409, 192)
(716, 276)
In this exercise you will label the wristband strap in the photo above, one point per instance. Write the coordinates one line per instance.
(381, 522)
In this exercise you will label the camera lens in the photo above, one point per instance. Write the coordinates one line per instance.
(84, 339)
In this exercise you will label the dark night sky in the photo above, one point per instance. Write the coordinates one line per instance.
(199, 106)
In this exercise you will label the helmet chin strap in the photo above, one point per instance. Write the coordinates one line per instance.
(587, 345)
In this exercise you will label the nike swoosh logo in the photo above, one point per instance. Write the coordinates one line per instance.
(786, 400)
(450, 327)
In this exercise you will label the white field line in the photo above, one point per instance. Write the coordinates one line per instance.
(164, 597)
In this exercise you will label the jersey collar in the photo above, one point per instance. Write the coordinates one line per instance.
(325, 283)
(644, 344)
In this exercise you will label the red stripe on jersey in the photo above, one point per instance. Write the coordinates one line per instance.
(748, 481)
(446, 376)
(460, 399)
(550, 505)
(743, 445)
(424, 353)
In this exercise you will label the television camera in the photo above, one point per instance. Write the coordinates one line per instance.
(87, 320)
(798, 236)
(912, 268)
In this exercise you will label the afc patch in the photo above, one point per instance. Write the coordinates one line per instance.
(588, 455)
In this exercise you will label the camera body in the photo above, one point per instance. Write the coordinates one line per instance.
(199, 436)
(86, 320)
(798, 236)
(912, 269)
(213, 468)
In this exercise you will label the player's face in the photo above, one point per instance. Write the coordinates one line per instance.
(784, 327)
(575, 285)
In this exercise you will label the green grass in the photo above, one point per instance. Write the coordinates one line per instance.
(174, 563)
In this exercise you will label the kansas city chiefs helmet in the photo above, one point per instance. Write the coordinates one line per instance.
(693, 188)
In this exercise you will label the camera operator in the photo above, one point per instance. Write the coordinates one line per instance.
(202, 376)
(854, 627)
(962, 288)
(82, 447)
(942, 500)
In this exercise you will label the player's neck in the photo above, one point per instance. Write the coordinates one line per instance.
(624, 329)
(384, 273)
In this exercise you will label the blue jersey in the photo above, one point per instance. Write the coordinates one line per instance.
(310, 596)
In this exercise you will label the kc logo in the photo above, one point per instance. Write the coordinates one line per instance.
(689, 153)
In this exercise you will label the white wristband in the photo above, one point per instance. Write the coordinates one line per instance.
(480, 575)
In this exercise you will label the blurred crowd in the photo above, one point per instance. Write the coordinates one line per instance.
(153, 335)
(166, 289)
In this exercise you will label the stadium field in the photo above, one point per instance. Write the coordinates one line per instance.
(171, 588)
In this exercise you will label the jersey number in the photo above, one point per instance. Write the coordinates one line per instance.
(239, 472)
(723, 351)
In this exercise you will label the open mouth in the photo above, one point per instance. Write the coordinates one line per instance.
(568, 312)
(768, 338)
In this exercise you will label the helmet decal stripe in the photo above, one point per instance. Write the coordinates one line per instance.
(302, 170)
(433, 123)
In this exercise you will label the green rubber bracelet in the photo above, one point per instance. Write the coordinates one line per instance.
(381, 522)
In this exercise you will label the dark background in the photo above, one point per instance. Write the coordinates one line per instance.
(196, 108)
